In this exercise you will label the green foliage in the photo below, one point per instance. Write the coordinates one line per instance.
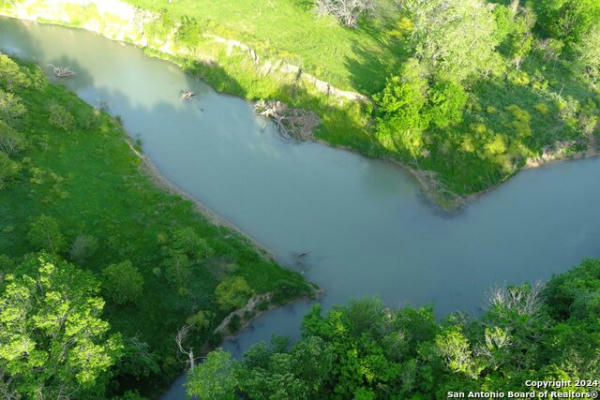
(233, 292)
(61, 118)
(11, 141)
(453, 38)
(365, 350)
(201, 320)
(9, 170)
(11, 76)
(83, 247)
(53, 339)
(188, 32)
(589, 54)
(401, 121)
(122, 283)
(11, 107)
(137, 359)
(514, 32)
(187, 241)
(45, 234)
(75, 179)
(408, 106)
(213, 379)
(567, 20)
(447, 101)
(178, 269)
(490, 47)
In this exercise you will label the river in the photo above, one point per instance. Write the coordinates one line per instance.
(364, 223)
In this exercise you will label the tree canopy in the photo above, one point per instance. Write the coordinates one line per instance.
(53, 340)
(365, 350)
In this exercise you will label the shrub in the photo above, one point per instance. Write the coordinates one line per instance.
(233, 292)
(188, 32)
(8, 170)
(11, 141)
(44, 234)
(178, 269)
(187, 241)
(11, 76)
(61, 118)
(123, 283)
(83, 247)
(10, 107)
(200, 320)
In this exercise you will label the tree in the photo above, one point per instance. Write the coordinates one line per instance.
(178, 269)
(11, 141)
(409, 105)
(400, 120)
(9, 169)
(365, 350)
(589, 54)
(122, 283)
(61, 118)
(567, 20)
(11, 107)
(346, 11)
(83, 247)
(447, 101)
(453, 38)
(44, 234)
(53, 341)
(187, 241)
(233, 292)
(214, 379)
(11, 76)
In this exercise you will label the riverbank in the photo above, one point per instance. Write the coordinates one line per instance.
(162, 182)
(255, 73)
(107, 206)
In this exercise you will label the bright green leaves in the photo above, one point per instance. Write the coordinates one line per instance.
(53, 338)
(214, 379)
(366, 351)
(233, 292)
(409, 105)
(453, 39)
(11, 76)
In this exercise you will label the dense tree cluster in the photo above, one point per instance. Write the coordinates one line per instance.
(475, 56)
(365, 350)
(53, 340)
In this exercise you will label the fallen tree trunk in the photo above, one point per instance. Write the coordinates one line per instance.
(291, 122)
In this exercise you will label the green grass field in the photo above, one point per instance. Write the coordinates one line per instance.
(351, 59)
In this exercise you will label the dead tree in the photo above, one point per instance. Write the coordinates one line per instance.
(187, 94)
(189, 352)
(61, 72)
(346, 11)
(291, 122)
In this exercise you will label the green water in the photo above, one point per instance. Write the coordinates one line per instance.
(363, 223)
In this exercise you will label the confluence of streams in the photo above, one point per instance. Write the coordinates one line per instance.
(362, 222)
